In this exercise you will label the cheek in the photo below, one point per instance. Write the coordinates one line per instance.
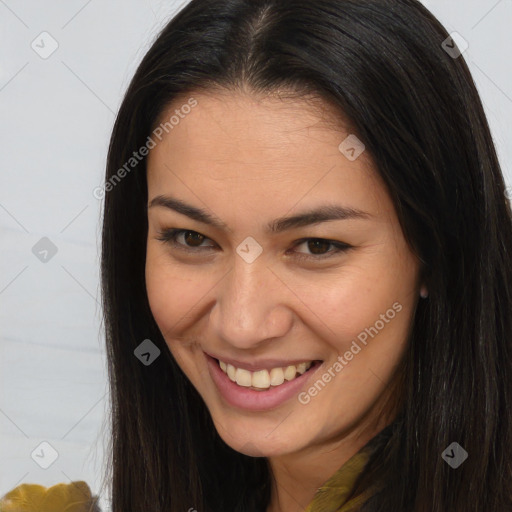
(369, 332)
(368, 317)
(173, 295)
(368, 323)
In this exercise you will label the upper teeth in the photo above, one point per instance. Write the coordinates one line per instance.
(263, 379)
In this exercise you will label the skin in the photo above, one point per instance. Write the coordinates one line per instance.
(248, 160)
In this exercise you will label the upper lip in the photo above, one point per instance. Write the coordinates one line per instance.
(260, 364)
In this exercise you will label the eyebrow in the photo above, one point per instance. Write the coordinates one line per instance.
(321, 214)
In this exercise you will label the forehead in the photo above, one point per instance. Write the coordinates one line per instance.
(279, 149)
(240, 120)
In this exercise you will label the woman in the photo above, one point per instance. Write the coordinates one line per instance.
(253, 112)
(306, 267)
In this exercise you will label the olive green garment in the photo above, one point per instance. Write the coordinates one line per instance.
(76, 496)
(72, 497)
(332, 496)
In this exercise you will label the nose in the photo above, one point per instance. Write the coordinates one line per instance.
(251, 306)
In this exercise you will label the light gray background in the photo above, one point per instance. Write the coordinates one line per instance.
(55, 122)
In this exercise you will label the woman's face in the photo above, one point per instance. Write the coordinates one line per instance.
(244, 285)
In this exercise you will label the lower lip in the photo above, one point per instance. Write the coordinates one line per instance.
(252, 400)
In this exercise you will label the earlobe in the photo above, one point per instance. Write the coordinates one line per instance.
(423, 292)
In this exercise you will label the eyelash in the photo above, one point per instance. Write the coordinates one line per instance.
(169, 236)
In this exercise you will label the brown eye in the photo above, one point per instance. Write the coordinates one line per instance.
(193, 242)
(193, 238)
(318, 246)
(185, 239)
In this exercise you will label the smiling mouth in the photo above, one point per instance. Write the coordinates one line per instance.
(263, 380)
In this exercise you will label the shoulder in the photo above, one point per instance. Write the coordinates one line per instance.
(72, 497)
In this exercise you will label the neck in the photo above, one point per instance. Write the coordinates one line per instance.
(297, 476)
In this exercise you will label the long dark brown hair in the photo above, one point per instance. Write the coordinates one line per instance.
(415, 106)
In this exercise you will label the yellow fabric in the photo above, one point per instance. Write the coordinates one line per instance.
(76, 496)
(332, 496)
(73, 497)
